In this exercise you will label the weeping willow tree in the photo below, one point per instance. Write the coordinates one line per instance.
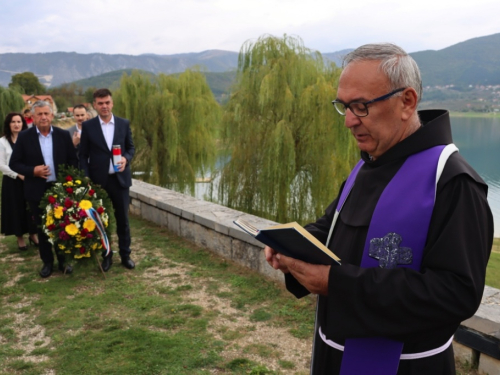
(173, 123)
(289, 148)
(10, 101)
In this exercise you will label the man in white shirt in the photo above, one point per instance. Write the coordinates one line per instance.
(99, 136)
(80, 115)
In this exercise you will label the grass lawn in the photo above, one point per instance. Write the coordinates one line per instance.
(182, 310)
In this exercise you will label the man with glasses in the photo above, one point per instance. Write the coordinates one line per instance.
(411, 225)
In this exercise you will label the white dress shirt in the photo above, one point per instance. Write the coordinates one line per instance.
(108, 130)
(47, 147)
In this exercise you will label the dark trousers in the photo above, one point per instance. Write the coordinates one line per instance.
(120, 199)
(45, 247)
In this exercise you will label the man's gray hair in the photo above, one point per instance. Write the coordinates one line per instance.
(41, 103)
(397, 65)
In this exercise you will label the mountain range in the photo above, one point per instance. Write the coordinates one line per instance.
(472, 62)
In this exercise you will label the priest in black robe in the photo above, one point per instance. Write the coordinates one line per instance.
(378, 94)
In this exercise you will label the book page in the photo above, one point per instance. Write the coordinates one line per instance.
(247, 227)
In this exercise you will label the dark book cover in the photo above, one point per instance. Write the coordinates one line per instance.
(292, 240)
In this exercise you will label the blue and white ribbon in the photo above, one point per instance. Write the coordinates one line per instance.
(94, 215)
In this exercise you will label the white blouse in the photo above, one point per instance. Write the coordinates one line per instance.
(5, 154)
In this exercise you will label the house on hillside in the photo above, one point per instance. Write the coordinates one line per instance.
(30, 99)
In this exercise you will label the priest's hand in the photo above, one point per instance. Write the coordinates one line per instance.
(273, 260)
(313, 277)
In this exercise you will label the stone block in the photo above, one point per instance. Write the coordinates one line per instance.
(187, 230)
(246, 255)
(135, 207)
(488, 365)
(173, 224)
(150, 213)
(464, 353)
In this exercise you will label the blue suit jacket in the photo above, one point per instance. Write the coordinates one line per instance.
(27, 154)
(95, 155)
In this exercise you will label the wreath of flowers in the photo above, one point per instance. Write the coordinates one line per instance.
(76, 214)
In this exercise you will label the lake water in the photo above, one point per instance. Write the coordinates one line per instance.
(478, 140)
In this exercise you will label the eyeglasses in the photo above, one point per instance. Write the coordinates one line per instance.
(360, 109)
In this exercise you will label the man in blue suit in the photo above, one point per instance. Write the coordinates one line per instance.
(99, 135)
(38, 154)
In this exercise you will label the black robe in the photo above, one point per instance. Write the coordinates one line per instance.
(422, 309)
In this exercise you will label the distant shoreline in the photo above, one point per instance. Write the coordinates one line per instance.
(475, 114)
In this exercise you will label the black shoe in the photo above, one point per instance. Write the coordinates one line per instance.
(46, 271)
(23, 248)
(106, 263)
(65, 269)
(128, 263)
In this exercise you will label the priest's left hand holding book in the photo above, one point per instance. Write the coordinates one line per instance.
(294, 250)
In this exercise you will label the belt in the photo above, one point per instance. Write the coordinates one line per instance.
(427, 353)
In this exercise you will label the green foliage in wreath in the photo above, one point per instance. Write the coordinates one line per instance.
(68, 207)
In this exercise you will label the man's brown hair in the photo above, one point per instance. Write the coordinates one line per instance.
(101, 93)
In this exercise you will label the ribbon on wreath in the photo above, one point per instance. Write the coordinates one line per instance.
(94, 215)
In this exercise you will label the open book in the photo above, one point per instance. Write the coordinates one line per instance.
(292, 240)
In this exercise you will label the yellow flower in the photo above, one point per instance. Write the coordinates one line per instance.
(58, 212)
(89, 224)
(69, 183)
(78, 182)
(94, 246)
(84, 255)
(71, 229)
(85, 204)
(49, 221)
(62, 247)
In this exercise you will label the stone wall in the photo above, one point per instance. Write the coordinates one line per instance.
(211, 226)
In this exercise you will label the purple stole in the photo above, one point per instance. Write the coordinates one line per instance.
(396, 238)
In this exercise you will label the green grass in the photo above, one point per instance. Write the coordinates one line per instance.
(143, 321)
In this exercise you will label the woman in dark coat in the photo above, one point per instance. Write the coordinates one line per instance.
(16, 218)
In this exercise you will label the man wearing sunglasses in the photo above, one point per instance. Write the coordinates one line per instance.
(411, 225)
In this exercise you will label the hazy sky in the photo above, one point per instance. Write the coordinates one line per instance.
(169, 27)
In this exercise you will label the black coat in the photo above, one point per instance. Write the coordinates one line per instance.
(422, 309)
(95, 155)
(27, 154)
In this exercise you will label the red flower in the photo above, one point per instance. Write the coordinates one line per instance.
(84, 232)
(68, 203)
(82, 250)
(51, 227)
(69, 190)
(100, 210)
(91, 192)
(52, 200)
(69, 178)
